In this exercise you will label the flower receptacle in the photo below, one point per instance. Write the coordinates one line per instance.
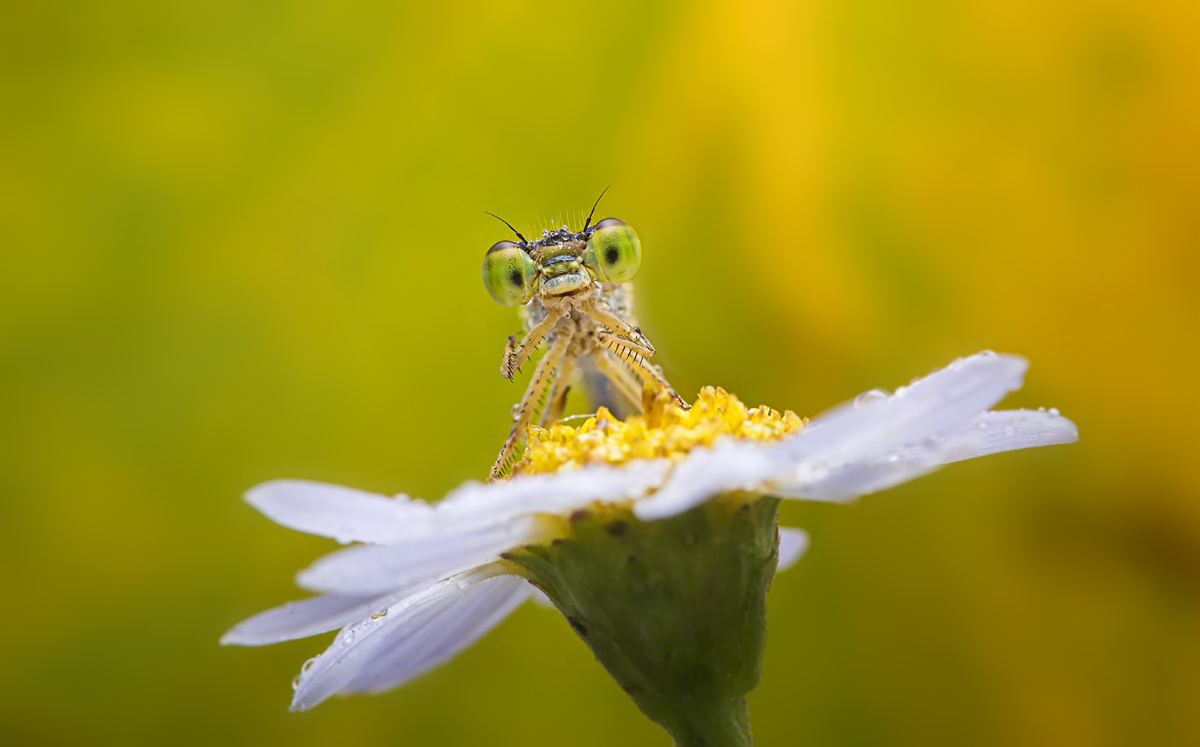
(675, 610)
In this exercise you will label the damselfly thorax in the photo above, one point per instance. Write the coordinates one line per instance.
(574, 295)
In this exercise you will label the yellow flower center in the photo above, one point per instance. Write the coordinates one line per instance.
(665, 430)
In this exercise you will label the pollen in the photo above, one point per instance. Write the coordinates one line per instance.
(664, 430)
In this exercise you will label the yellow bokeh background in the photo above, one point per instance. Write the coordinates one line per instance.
(243, 242)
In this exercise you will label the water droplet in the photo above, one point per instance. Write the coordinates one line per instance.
(515, 411)
(873, 395)
(377, 615)
(1054, 411)
(1041, 409)
(303, 671)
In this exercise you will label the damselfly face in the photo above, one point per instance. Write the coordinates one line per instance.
(572, 293)
(561, 262)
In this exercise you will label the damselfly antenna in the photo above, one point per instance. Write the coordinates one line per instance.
(588, 222)
(518, 233)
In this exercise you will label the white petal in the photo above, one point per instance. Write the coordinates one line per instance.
(410, 653)
(345, 514)
(792, 544)
(845, 482)
(354, 515)
(375, 569)
(412, 636)
(986, 433)
(928, 407)
(304, 618)
(475, 504)
(1006, 430)
(845, 437)
(728, 465)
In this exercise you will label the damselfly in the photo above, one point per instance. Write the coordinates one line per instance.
(573, 292)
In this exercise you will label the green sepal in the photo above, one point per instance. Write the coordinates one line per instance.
(675, 610)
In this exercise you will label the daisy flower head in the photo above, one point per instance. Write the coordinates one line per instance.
(656, 537)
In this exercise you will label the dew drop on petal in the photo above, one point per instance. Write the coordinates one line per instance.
(303, 671)
(874, 395)
(1054, 411)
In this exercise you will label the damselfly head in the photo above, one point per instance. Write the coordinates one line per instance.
(561, 262)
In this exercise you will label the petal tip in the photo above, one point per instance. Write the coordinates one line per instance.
(793, 543)
(1071, 431)
(237, 636)
(261, 494)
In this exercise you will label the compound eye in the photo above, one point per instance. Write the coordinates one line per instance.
(613, 252)
(509, 274)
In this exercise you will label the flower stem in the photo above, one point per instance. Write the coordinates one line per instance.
(675, 610)
(723, 726)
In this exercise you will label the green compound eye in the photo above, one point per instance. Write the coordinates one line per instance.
(613, 252)
(509, 273)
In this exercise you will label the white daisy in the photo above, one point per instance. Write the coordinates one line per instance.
(428, 580)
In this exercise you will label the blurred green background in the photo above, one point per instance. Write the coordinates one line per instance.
(242, 241)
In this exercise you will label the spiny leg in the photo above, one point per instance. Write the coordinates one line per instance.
(557, 399)
(533, 394)
(610, 341)
(631, 356)
(516, 353)
(617, 325)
